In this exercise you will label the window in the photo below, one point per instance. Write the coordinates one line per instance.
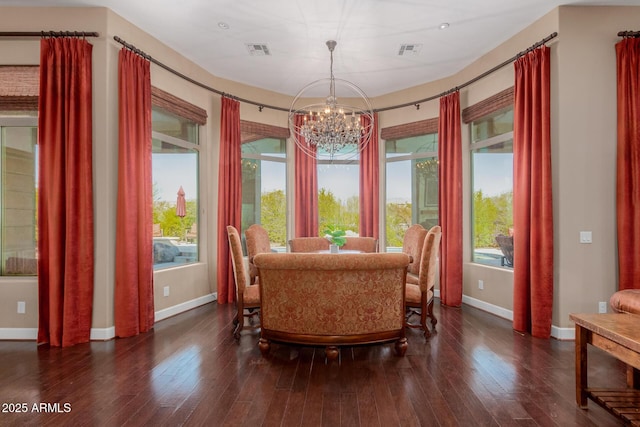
(175, 162)
(18, 168)
(264, 194)
(492, 188)
(339, 192)
(412, 186)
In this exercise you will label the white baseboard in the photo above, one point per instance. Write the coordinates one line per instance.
(188, 305)
(568, 334)
(556, 332)
(19, 334)
(489, 308)
(105, 334)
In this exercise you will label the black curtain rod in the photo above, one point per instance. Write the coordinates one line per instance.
(408, 104)
(189, 79)
(49, 34)
(629, 34)
(475, 79)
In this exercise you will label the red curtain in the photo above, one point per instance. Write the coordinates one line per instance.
(306, 194)
(65, 193)
(532, 204)
(134, 309)
(628, 163)
(229, 194)
(370, 182)
(450, 199)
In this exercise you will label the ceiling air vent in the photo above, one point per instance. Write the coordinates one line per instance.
(256, 49)
(409, 49)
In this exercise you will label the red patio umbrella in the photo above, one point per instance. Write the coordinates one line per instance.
(181, 204)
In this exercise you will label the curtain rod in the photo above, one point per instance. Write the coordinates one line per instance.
(189, 79)
(393, 107)
(629, 34)
(475, 79)
(49, 34)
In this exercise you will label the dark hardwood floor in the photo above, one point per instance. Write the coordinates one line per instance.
(189, 371)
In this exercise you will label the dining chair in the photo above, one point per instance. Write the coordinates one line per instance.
(419, 297)
(247, 297)
(362, 244)
(412, 245)
(308, 244)
(257, 239)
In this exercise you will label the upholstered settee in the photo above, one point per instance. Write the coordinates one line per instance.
(332, 299)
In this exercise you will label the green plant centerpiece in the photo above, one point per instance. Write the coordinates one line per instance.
(335, 235)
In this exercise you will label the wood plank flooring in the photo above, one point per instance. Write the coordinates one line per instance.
(475, 371)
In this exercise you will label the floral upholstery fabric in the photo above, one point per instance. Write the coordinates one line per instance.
(363, 244)
(332, 294)
(308, 244)
(413, 294)
(412, 246)
(429, 259)
(252, 294)
(257, 242)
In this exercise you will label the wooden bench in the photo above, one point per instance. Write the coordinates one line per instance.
(619, 335)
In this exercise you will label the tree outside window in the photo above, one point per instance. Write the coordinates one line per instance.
(492, 189)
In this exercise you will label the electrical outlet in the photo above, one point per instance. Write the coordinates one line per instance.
(602, 307)
(480, 284)
(22, 307)
(166, 291)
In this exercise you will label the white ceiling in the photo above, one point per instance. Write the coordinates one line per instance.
(369, 34)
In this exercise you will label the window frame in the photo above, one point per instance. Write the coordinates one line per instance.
(474, 146)
(22, 119)
(415, 158)
(190, 146)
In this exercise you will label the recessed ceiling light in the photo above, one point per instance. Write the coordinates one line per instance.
(443, 25)
(223, 25)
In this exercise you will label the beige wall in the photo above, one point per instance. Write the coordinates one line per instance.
(583, 149)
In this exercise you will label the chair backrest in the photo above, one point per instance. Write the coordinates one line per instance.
(506, 246)
(257, 242)
(308, 244)
(429, 258)
(412, 245)
(157, 230)
(363, 244)
(237, 259)
(332, 294)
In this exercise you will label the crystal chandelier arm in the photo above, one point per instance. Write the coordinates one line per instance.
(332, 129)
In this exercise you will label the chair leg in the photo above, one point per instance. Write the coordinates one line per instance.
(434, 321)
(240, 318)
(423, 322)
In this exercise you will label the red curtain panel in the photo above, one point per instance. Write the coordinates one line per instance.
(532, 202)
(65, 193)
(370, 183)
(450, 199)
(628, 163)
(134, 309)
(229, 194)
(306, 191)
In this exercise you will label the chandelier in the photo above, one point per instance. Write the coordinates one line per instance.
(331, 129)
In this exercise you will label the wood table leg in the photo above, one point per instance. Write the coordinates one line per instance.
(581, 366)
(633, 377)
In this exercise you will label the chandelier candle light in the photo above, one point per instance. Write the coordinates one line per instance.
(331, 129)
